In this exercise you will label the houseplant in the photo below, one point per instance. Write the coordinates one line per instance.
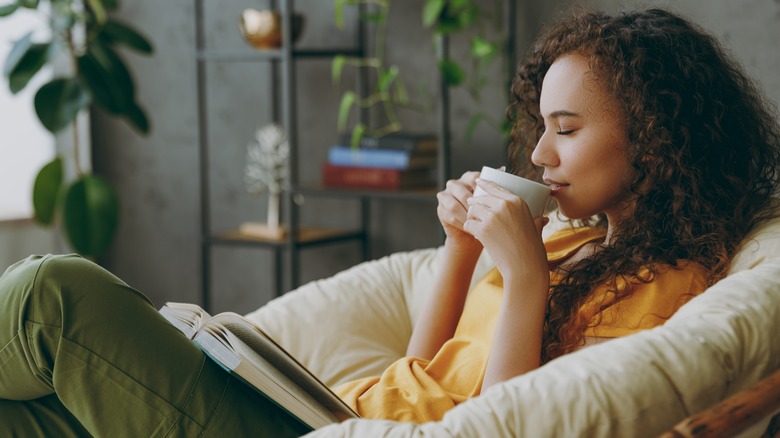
(85, 35)
(388, 91)
(482, 24)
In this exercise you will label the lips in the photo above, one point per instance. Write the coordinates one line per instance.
(555, 186)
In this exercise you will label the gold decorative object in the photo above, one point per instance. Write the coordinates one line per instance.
(263, 28)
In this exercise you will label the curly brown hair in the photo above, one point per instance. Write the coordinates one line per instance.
(705, 147)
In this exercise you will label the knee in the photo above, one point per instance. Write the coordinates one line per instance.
(27, 270)
(67, 268)
(20, 277)
(74, 275)
(66, 275)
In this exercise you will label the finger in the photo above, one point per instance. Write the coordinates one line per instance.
(471, 227)
(454, 195)
(494, 189)
(470, 178)
(540, 223)
(451, 209)
(460, 190)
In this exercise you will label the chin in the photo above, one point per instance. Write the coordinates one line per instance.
(574, 213)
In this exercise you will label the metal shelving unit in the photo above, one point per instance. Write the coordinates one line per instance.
(286, 251)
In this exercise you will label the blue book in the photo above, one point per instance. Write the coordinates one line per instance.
(379, 158)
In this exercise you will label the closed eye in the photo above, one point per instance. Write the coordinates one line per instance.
(565, 132)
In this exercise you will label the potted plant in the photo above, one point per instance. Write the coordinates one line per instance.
(487, 31)
(84, 33)
(445, 18)
(389, 90)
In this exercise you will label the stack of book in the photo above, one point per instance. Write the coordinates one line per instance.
(394, 162)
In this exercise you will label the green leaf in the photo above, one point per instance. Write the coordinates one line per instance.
(506, 128)
(58, 102)
(447, 24)
(108, 80)
(17, 53)
(126, 35)
(7, 10)
(387, 78)
(432, 11)
(30, 4)
(468, 16)
(46, 190)
(459, 4)
(111, 5)
(378, 17)
(96, 6)
(401, 95)
(336, 68)
(90, 215)
(347, 100)
(357, 133)
(138, 119)
(451, 72)
(481, 48)
(36, 56)
(338, 12)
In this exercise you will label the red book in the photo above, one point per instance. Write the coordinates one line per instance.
(335, 176)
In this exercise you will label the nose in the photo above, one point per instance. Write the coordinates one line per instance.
(544, 153)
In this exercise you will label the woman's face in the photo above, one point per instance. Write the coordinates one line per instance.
(584, 148)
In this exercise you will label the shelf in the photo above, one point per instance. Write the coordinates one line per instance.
(423, 195)
(306, 237)
(249, 55)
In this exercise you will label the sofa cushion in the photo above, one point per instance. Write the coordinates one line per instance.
(720, 342)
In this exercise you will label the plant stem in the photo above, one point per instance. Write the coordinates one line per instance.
(381, 30)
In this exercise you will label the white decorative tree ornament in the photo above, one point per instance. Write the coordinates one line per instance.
(267, 171)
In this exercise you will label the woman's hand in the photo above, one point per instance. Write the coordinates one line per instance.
(501, 221)
(452, 209)
(444, 304)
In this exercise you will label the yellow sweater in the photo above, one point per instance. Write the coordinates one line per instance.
(417, 390)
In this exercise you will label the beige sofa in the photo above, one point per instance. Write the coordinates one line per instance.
(357, 322)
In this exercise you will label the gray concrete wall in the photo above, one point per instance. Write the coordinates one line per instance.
(157, 176)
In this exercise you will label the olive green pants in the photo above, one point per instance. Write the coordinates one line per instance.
(83, 354)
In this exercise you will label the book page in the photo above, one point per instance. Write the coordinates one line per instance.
(188, 318)
(258, 341)
(223, 346)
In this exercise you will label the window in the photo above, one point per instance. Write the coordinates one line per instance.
(25, 145)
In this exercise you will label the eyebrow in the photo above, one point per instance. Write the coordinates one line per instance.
(562, 113)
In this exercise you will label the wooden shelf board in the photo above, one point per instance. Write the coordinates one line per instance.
(421, 194)
(249, 54)
(306, 235)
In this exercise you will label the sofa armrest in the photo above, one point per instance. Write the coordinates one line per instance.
(720, 342)
(734, 414)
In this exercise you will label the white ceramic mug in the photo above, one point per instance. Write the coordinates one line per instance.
(533, 193)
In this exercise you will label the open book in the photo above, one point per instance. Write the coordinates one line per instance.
(242, 348)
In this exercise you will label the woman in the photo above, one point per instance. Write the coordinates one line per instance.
(637, 118)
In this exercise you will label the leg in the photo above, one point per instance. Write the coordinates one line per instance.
(43, 417)
(70, 328)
